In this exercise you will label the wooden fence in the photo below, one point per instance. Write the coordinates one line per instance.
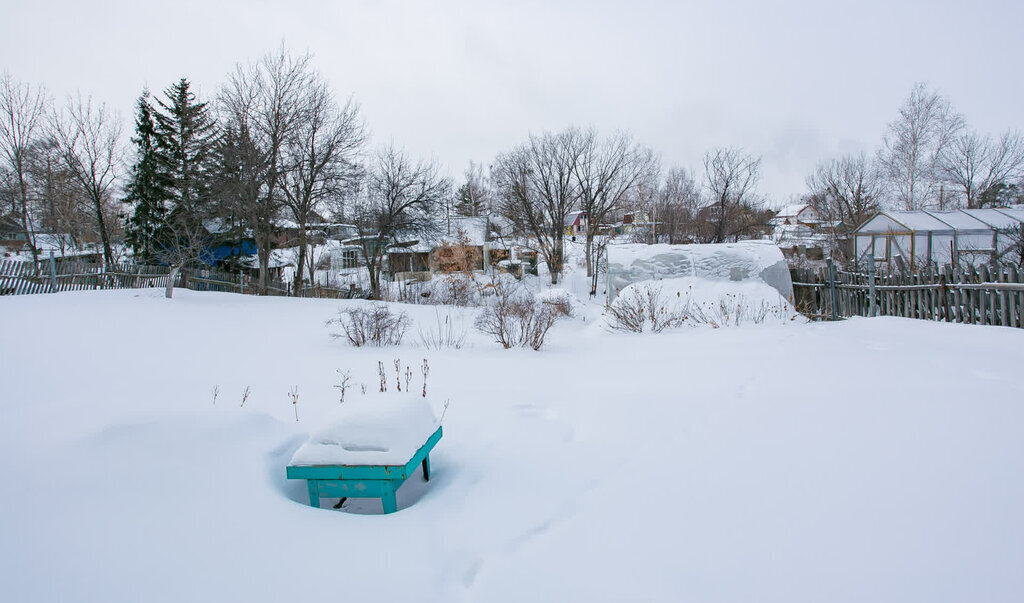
(48, 276)
(983, 295)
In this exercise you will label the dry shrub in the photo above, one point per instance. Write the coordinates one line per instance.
(734, 310)
(643, 309)
(560, 302)
(371, 324)
(646, 309)
(444, 334)
(515, 318)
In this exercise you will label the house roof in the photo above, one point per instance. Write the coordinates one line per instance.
(574, 217)
(790, 210)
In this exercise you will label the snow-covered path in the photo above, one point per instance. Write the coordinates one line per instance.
(865, 460)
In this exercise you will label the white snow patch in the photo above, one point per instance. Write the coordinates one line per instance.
(370, 430)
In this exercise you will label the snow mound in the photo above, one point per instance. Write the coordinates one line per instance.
(757, 261)
(370, 430)
(690, 301)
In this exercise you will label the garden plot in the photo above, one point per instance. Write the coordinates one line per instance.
(872, 459)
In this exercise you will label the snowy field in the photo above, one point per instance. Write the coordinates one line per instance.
(868, 460)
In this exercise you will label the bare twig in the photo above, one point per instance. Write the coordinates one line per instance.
(293, 394)
(245, 395)
(343, 385)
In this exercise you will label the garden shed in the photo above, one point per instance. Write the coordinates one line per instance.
(918, 238)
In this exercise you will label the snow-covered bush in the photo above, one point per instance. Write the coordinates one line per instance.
(371, 324)
(514, 317)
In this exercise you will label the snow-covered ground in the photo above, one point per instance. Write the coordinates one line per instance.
(868, 460)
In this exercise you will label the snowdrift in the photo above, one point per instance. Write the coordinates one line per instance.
(370, 430)
(692, 301)
(746, 261)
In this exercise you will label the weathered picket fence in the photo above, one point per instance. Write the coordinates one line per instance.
(983, 295)
(21, 277)
(51, 276)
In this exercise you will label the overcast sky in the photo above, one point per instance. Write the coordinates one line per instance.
(793, 82)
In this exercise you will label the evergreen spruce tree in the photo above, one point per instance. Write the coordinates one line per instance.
(187, 138)
(147, 190)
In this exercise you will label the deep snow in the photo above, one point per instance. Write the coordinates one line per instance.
(868, 460)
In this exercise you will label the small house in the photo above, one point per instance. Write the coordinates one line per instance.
(576, 223)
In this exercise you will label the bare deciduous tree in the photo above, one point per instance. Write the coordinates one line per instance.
(264, 104)
(23, 111)
(975, 164)
(912, 149)
(62, 206)
(399, 200)
(537, 189)
(674, 208)
(474, 197)
(321, 160)
(606, 171)
(731, 177)
(89, 142)
(844, 193)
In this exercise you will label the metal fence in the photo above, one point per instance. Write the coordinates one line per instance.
(983, 295)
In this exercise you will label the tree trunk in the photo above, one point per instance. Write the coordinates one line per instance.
(297, 286)
(588, 250)
(374, 265)
(169, 291)
(108, 253)
(26, 224)
(263, 249)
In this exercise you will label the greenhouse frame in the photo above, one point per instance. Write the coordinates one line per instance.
(930, 237)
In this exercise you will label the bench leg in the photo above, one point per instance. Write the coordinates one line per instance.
(387, 498)
(314, 493)
(426, 468)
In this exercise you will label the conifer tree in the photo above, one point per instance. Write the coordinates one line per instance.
(147, 190)
(187, 137)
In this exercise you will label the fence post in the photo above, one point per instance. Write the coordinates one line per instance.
(832, 288)
(53, 273)
(872, 308)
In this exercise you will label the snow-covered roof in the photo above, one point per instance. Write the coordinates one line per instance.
(279, 258)
(790, 210)
(216, 225)
(472, 228)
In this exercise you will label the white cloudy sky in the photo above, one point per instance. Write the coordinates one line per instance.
(793, 81)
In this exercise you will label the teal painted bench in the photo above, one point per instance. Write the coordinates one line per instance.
(363, 481)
